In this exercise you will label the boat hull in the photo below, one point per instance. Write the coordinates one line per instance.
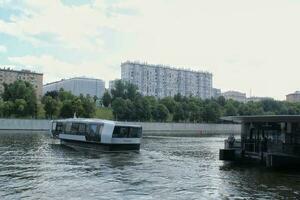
(95, 146)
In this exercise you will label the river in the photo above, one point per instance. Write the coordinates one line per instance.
(33, 167)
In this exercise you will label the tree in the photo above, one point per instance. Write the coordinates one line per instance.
(18, 93)
(221, 101)
(211, 112)
(66, 110)
(106, 99)
(8, 107)
(170, 103)
(19, 108)
(118, 108)
(195, 112)
(130, 91)
(142, 109)
(161, 113)
(119, 90)
(54, 94)
(89, 106)
(65, 95)
(179, 113)
(230, 109)
(51, 106)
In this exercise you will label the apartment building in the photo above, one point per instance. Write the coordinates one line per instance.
(162, 81)
(9, 76)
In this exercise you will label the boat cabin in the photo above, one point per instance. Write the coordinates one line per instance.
(95, 132)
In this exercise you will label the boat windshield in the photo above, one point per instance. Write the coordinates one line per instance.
(127, 132)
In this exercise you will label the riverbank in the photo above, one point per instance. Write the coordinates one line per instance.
(149, 129)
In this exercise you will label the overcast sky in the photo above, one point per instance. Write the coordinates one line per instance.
(246, 44)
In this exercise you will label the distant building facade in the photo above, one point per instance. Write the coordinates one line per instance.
(162, 81)
(258, 99)
(77, 86)
(293, 97)
(235, 95)
(9, 76)
(216, 93)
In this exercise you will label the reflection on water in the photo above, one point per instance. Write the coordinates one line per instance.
(33, 167)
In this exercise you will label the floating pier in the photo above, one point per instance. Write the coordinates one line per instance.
(271, 140)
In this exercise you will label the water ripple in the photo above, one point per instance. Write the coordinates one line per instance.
(33, 167)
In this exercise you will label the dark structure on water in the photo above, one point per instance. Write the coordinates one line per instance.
(270, 140)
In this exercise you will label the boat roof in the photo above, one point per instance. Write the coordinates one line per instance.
(95, 120)
(263, 118)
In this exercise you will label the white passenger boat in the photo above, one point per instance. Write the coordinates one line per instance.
(95, 133)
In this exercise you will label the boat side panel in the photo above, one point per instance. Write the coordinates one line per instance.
(72, 137)
(100, 147)
(107, 131)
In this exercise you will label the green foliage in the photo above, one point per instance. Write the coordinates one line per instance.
(170, 103)
(51, 106)
(20, 98)
(104, 113)
(106, 99)
(160, 113)
(212, 112)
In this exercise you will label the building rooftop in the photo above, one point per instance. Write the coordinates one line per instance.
(165, 67)
(20, 71)
(295, 93)
(74, 78)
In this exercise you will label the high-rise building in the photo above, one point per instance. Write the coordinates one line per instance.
(162, 81)
(235, 95)
(9, 76)
(77, 86)
(293, 97)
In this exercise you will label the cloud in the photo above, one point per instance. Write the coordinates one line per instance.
(246, 44)
(3, 49)
(55, 69)
(77, 27)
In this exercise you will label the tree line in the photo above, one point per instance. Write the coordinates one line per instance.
(129, 105)
(19, 100)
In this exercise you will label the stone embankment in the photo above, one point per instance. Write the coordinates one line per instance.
(149, 129)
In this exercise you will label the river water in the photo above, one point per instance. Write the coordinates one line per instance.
(33, 167)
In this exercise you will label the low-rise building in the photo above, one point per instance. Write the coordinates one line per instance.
(77, 86)
(9, 76)
(235, 95)
(293, 97)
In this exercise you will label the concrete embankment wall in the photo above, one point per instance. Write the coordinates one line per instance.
(188, 129)
(24, 125)
(149, 129)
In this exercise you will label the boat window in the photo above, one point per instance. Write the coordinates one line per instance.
(93, 132)
(68, 127)
(82, 129)
(127, 132)
(59, 127)
(75, 128)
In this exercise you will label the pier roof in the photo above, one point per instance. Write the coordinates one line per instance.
(263, 118)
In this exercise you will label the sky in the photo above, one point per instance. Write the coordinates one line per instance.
(248, 45)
